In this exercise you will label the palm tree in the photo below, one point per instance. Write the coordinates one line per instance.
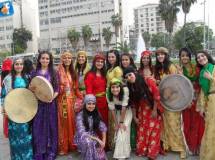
(107, 34)
(168, 10)
(73, 37)
(186, 4)
(86, 34)
(116, 21)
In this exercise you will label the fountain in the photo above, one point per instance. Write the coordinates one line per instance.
(140, 48)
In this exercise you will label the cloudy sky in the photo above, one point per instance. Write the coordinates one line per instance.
(196, 11)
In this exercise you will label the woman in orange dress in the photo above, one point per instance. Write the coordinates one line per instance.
(66, 113)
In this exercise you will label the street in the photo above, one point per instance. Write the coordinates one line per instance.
(5, 155)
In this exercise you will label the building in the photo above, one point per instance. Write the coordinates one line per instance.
(147, 19)
(58, 16)
(30, 22)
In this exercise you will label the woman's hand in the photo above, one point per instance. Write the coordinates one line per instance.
(3, 111)
(208, 75)
(136, 120)
(32, 88)
(154, 113)
(122, 126)
(102, 144)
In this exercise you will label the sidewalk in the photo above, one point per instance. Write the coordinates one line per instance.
(5, 155)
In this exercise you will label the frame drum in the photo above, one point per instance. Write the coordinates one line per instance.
(176, 92)
(21, 105)
(44, 90)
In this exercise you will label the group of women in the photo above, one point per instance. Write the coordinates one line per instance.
(120, 109)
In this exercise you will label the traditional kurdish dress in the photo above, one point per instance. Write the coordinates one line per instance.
(112, 73)
(122, 143)
(206, 104)
(192, 121)
(89, 148)
(149, 129)
(5, 118)
(172, 136)
(45, 128)
(96, 85)
(20, 137)
(66, 113)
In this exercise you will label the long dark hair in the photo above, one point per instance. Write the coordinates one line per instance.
(94, 69)
(162, 66)
(3, 75)
(209, 57)
(95, 115)
(13, 73)
(142, 65)
(116, 53)
(50, 66)
(189, 54)
(139, 90)
(28, 66)
(110, 94)
(131, 61)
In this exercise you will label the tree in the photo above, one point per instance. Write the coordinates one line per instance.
(159, 40)
(146, 37)
(20, 38)
(107, 33)
(194, 39)
(123, 47)
(186, 4)
(116, 21)
(73, 37)
(86, 34)
(168, 10)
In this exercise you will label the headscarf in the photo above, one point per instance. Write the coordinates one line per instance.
(7, 65)
(204, 82)
(146, 53)
(87, 68)
(98, 56)
(66, 53)
(162, 50)
(89, 98)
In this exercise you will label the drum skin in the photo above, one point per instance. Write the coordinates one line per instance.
(21, 105)
(176, 92)
(44, 90)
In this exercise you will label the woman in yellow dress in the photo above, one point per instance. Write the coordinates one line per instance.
(172, 136)
(113, 71)
(206, 103)
(81, 68)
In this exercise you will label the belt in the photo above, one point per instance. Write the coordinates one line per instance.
(100, 94)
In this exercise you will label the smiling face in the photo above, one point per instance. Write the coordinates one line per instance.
(81, 59)
(67, 60)
(99, 64)
(160, 57)
(90, 106)
(115, 89)
(202, 59)
(111, 58)
(184, 58)
(145, 60)
(44, 60)
(125, 61)
(18, 65)
(130, 77)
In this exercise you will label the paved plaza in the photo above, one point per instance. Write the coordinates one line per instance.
(5, 155)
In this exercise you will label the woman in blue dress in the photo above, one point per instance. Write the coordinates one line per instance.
(20, 137)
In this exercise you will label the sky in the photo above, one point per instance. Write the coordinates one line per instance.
(196, 11)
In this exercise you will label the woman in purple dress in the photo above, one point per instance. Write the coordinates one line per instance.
(88, 124)
(45, 131)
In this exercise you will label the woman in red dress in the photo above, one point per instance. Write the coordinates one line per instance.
(145, 98)
(95, 83)
(192, 121)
